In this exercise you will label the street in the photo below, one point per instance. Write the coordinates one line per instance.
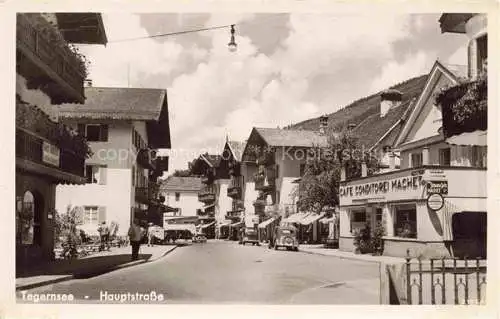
(225, 272)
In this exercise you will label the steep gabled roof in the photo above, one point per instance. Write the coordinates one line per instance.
(237, 149)
(174, 183)
(117, 104)
(211, 160)
(291, 138)
(375, 127)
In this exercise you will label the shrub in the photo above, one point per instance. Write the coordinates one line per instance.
(377, 242)
(362, 240)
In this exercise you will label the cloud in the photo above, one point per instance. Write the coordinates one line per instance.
(212, 92)
(394, 72)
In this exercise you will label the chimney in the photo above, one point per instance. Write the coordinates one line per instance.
(389, 99)
(323, 124)
(88, 83)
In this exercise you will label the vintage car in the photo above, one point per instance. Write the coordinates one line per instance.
(199, 238)
(286, 236)
(251, 236)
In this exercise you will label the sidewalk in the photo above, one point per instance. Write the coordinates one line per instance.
(320, 250)
(85, 267)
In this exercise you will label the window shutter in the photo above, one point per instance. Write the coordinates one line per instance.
(104, 133)
(81, 129)
(103, 172)
(101, 214)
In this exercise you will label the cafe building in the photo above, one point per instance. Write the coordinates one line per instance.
(434, 205)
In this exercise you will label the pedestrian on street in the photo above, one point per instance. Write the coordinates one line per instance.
(135, 235)
(103, 230)
(150, 234)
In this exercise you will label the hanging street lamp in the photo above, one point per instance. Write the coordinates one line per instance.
(232, 46)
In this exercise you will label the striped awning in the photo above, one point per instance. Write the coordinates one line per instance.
(206, 225)
(311, 218)
(295, 218)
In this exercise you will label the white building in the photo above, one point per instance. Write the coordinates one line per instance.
(181, 193)
(124, 127)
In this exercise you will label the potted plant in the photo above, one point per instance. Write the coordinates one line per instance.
(377, 241)
(362, 240)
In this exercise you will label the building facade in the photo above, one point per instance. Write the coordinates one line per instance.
(49, 72)
(181, 194)
(424, 207)
(125, 127)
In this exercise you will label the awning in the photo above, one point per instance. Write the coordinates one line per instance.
(266, 223)
(469, 138)
(181, 227)
(207, 225)
(238, 224)
(295, 218)
(224, 223)
(311, 218)
(328, 220)
(447, 214)
(208, 206)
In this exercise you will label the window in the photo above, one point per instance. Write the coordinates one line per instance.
(91, 215)
(137, 140)
(302, 169)
(95, 174)
(479, 156)
(482, 52)
(359, 216)
(416, 159)
(444, 157)
(177, 196)
(133, 176)
(378, 215)
(405, 221)
(96, 132)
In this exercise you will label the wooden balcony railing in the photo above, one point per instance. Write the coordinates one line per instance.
(235, 187)
(207, 194)
(47, 61)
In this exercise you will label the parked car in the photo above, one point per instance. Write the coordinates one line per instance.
(251, 236)
(199, 238)
(286, 236)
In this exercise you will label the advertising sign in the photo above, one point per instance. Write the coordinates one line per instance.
(435, 201)
(437, 187)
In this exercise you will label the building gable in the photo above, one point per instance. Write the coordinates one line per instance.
(425, 119)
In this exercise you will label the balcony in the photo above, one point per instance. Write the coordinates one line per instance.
(47, 62)
(207, 195)
(465, 109)
(142, 194)
(147, 158)
(234, 189)
(232, 215)
(48, 148)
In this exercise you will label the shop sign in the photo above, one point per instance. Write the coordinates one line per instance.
(437, 187)
(407, 183)
(435, 201)
(50, 154)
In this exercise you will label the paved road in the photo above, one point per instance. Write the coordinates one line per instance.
(225, 272)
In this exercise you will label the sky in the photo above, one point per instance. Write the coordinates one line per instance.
(288, 67)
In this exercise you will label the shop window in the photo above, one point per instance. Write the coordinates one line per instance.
(90, 215)
(416, 159)
(358, 220)
(96, 132)
(177, 196)
(444, 157)
(405, 221)
(95, 174)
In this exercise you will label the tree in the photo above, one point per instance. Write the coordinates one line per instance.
(319, 186)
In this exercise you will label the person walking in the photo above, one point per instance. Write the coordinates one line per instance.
(104, 236)
(150, 234)
(135, 235)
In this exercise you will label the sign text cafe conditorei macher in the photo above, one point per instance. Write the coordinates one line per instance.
(382, 187)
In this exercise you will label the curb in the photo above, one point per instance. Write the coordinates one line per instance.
(347, 257)
(93, 273)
